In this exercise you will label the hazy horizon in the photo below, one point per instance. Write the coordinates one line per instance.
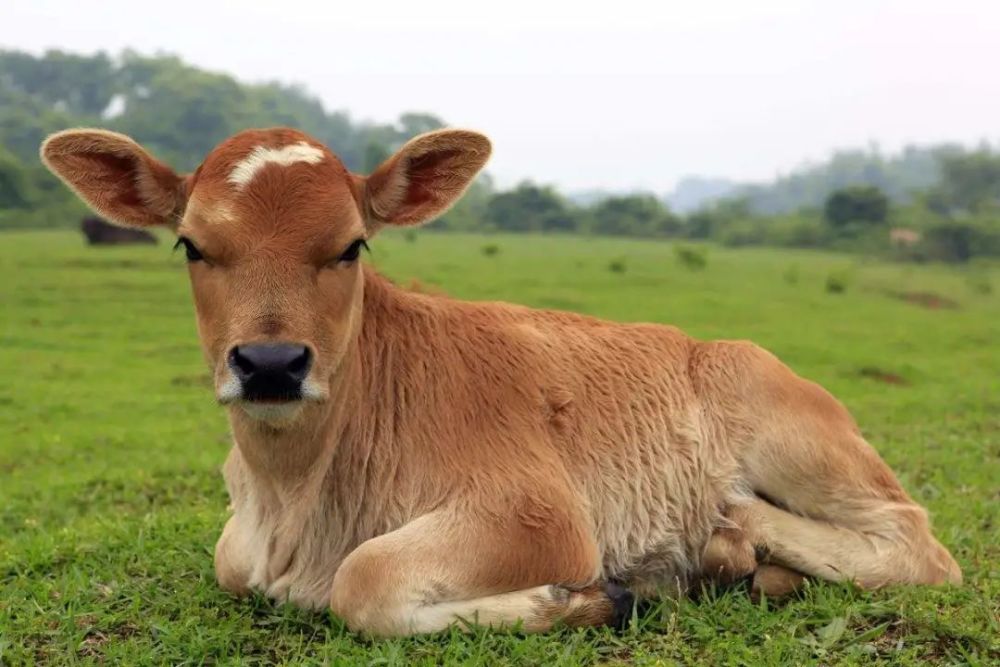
(636, 99)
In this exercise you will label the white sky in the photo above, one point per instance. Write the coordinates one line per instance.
(611, 94)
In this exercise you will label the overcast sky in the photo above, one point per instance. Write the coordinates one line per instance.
(613, 94)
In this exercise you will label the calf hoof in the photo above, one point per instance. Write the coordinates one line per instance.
(775, 581)
(729, 557)
(622, 604)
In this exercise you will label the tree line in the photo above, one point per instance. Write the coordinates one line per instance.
(947, 196)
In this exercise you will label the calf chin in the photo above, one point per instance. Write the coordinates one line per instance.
(273, 413)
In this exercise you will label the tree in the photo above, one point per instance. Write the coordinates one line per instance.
(80, 85)
(633, 215)
(856, 204)
(375, 154)
(529, 207)
(469, 213)
(710, 220)
(14, 183)
(177, 111)
(970, 182)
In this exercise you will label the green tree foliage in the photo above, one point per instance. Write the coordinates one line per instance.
(949, 196)
(15, 189)
(77, 85)
(970, 183)
(633, 215)
(469, 214)
(177, 111)
(856, 204)
(529, 208)
(710, 221)
(899, 176)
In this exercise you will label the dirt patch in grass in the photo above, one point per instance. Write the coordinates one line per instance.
(937, 644)
(93, 643)
(928, 300)
(881, 375)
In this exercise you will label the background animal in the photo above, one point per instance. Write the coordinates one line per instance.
(99, 232)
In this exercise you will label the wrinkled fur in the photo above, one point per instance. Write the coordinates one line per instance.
(484, 461)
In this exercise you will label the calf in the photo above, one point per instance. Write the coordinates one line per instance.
(413, 460)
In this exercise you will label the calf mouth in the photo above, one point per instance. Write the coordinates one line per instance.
(271, 390)
(264, 401)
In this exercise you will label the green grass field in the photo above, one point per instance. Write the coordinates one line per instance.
(110, 446)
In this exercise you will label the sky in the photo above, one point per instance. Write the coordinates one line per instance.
(617, 94)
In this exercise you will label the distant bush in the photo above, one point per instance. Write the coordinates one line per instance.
(864, 204)
(410, 235)
(530, 208)
(949, 242)
(743, 233)
(837, 282)
(491, 249)
(797, 232)
(632, 215)
(617, 265)
(61, 214)
(793, 231)
(690, 257)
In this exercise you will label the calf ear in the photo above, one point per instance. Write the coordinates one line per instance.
(116, 177)
(425, 177)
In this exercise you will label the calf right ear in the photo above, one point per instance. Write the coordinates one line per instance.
(425, 177)
(116, 177)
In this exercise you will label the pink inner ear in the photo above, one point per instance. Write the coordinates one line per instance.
(114, 175)
(121, 171)
(425, 172)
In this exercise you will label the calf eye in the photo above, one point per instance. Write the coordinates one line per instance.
(193, 254)
(352, 251)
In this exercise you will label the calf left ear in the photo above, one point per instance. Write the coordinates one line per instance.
(425, 177)
(116, 177)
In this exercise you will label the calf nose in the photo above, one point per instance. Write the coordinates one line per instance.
(271, 371)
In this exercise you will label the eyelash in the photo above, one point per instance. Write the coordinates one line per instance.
(192, 252)
(194, 255)
(352, 251)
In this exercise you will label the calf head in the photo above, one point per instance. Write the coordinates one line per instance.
(272, 225)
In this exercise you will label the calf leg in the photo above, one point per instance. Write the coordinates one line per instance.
(232, 570)
(731, 555)
(898, 548)
(441, 569)
(838, 512)
(775, 581)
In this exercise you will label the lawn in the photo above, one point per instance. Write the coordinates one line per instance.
(110, 448)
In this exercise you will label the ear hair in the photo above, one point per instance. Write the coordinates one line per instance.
(115, 176)
(425, 177)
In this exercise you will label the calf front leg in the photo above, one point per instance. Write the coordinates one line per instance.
(444, 568)
(232, 569)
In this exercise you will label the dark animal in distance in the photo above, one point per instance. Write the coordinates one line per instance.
(99, 232)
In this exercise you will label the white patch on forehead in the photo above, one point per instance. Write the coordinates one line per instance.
(248, 167)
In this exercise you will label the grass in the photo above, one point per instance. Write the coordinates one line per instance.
(110, 446)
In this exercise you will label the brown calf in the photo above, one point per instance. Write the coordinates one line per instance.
(413, 460)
